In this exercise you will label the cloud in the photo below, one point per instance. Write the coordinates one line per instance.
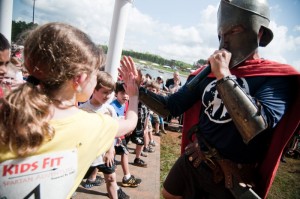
(187, 44)
(284, 47)
(145, 34)
(94, 17)
(297, 28)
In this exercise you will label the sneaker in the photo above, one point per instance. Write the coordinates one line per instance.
(117, 162)
(152, 143)
(90, 183)
(144, 154)
(139, 162)
(148, 149)
(122, 194)
(131, 182)
(157, 134)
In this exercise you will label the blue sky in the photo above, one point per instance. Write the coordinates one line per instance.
(173, 29)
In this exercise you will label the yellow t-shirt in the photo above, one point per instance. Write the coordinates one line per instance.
(59, 165)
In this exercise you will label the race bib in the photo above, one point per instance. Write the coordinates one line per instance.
(42, 176)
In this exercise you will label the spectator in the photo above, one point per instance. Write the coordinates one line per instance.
(293, 149)
(105, 162)
(9, 78)
(160, 81)
(171, 81)
(121, 146)
(173, 88)
(18, 64)
(155, 118)
(4, 57)
(137, 136)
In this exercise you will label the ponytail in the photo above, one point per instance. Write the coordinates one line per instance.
(24, 119)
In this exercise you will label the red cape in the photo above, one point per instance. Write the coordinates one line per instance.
(284, 130)
(1, 93)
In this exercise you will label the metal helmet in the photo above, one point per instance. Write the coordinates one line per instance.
(251, 15)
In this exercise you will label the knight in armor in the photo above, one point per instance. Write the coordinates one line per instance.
(235, 115)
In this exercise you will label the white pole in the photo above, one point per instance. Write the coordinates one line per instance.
(6, 8)
(116, 38)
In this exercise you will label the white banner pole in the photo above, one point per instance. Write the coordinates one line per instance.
(117, 35)
(6, 9)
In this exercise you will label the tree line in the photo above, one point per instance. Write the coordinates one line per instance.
(19, 29)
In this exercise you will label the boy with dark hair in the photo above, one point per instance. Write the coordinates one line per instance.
(105, 162)
(137, 136)
(121, 146)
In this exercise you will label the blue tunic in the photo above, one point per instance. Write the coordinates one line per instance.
(215, 123)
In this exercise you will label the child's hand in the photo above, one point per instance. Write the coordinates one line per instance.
(128, 73)
(109, 158)
(130, 86)
(128, 67)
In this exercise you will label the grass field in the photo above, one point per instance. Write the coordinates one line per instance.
(286, 184)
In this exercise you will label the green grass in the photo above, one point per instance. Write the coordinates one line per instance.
(285, 186)
(169, 152)
(287, 181)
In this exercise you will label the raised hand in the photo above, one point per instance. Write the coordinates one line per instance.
(127, 67)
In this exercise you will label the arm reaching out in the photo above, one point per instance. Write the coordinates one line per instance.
(127, 67)
(128, 72)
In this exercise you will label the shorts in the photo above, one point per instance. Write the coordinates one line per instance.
(193, 183)
(101, 167)
(137, 137)
(155, 118)
(122, 148)
(127, 139)
(137, 140)
(106, 169)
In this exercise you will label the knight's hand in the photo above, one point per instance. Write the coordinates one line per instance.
(219, 62)
(194, 153)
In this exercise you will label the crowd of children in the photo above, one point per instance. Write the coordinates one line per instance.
(141, 136)
(13, 76)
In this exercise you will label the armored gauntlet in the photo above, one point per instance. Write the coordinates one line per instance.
(245, 114)
(153, 101)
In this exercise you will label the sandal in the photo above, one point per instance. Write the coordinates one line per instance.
(97, 182)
